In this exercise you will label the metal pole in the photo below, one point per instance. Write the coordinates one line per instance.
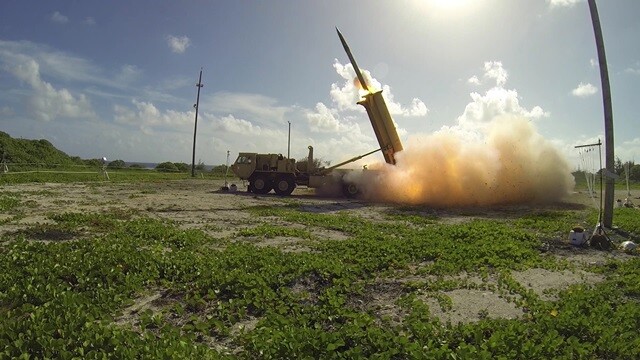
(195, 127)
(289, 142)
(602, 174)
(608, 117)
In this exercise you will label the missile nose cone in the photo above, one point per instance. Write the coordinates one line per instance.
(352, 60)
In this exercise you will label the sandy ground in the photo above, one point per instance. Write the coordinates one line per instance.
(200, 204)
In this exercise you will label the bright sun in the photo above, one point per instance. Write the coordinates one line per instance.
(449, 4)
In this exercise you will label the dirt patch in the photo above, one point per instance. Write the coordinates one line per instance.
(49, 234)
(380, 299)
(284, 243)
(470, 305)
(547, 284)
(131, 313)
(308, 288)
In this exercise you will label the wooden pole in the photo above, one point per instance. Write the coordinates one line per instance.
(608, 118)
(195, 127)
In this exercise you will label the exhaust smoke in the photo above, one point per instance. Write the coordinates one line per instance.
(508, 163)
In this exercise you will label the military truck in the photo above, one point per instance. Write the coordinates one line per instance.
(266, 172)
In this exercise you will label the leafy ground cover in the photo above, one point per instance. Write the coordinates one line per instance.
(127, 282)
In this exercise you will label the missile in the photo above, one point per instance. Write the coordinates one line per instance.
(352, 60)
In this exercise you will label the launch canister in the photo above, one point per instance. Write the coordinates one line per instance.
(379, 115)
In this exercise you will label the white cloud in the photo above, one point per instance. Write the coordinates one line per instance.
(245, 128)
(256, 107)
(535, 113)
(237, 126)
(494, 70)
(48, 103)
(346, 96)
(149, 118)
(6, 111)
(633, 69)
(57, 64)
(178, 44)
(417, 108)
(231, 132)
(629, 150)
(593, 63)
(323, 119)
(58, 18)
(563, 3)
(89, 21)
(473, 80)
(584, 90)
(128, 73)
(495, 102)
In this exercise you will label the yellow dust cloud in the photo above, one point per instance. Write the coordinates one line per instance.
(511, 164)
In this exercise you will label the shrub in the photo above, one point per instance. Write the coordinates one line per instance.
(117, 164)
(167, 167)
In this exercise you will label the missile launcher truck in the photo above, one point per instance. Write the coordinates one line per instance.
(266, 172)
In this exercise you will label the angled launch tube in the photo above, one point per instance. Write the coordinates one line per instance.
(378, 113)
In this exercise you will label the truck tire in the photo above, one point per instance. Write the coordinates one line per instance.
(350, 190)
(284, 185)
(260, 185)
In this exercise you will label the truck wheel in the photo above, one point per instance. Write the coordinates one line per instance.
(350, 190)
(260, 185)
(284, 186)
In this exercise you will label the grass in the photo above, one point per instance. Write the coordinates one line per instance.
(8, 201)
(226, 298)
(620, 183)
(69, 175)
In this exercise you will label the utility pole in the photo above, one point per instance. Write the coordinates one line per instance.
(608, 118)
(289, 142)
(195, 126)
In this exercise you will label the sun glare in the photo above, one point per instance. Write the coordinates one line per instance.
(449, 4)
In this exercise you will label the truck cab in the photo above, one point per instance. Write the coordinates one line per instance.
(245, 165)
(266, 172)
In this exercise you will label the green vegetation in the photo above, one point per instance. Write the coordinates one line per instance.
(176, 167)
(8, 201)
(620, 183)
(23, 151)
(39, 161)
(115, 175)
(118, 285)
(117, 164)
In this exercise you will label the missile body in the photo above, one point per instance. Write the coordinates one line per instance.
(378, 113)
(353, 61)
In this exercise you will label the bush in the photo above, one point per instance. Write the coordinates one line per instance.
(167, 167)
(182, 167)
(93, 162)
(219, 169)
(117, 164)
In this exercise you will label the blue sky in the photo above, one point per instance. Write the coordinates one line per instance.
(117, 78)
